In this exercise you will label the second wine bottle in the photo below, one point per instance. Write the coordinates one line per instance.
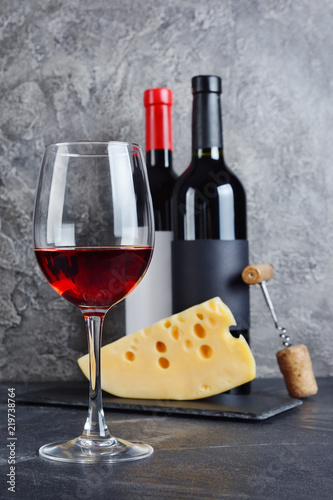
(152, 301)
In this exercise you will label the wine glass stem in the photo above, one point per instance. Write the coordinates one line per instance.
(95, 426)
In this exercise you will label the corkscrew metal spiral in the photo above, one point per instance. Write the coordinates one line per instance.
(282, 331)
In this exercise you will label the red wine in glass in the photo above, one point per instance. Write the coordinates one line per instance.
(93, 277)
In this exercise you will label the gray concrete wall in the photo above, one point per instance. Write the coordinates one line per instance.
(73, 70)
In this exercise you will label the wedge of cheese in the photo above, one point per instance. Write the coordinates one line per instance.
(190, 355)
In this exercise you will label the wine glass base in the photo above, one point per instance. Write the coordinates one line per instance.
(84, 450)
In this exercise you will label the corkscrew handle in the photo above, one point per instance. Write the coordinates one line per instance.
(252, 275)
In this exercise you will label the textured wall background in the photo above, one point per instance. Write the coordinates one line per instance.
(73, 70)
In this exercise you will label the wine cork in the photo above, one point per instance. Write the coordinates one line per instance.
(252, 275)
(296, 368)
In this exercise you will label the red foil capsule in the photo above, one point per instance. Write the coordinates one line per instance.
(158, 103)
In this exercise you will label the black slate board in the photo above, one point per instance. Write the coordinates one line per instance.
(255, 406)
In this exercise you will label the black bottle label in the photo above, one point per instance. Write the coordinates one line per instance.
(203, 269)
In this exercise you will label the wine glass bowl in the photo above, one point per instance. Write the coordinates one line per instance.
(93, 240)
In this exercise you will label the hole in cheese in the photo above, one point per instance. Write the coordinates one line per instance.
(220, 308)
(206, 351)
(212, 305)
(205, 387)
(175, 332)
(130, 356)
(188, 345)
(167, 324)
(200, 316)
(212, 321)
(180, 318)
(199, 331)
(164, 363)
(160, 346)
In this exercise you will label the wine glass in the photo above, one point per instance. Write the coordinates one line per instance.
(93, 240)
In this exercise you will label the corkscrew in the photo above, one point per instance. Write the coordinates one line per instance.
(253, 275)
(294, 360)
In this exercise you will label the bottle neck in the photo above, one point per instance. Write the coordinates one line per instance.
(206, 122)
(213, 153)
(159, 158)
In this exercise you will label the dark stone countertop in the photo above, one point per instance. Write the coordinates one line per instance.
(286, 456)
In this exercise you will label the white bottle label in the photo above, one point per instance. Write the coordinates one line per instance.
(151, 300)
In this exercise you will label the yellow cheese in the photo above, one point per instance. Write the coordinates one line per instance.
(190, 355)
